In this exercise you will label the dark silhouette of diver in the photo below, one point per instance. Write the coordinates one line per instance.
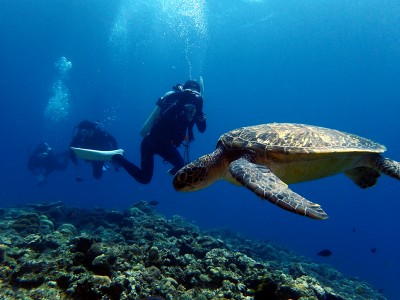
(170, 124)
(43, 161)
(89, 135)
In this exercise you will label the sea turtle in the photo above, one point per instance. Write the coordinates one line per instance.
(265, 158)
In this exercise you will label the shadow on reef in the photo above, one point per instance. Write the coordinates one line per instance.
(50, 251)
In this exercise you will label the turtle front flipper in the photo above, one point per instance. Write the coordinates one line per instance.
(265, 184)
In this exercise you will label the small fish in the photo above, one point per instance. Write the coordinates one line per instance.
(153, 203)
(325, 253)
(373, 250)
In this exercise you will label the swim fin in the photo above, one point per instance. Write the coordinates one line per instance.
(98, 155)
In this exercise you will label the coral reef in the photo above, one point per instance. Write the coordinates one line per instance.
(51, 251)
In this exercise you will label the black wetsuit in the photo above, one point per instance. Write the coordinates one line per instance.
(100, 140)
(167, 134)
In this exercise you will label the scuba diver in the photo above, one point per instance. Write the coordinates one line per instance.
(170, 125)
(44, 161)
(89, 135)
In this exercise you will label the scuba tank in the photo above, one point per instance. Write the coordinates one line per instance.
(145, 130)
(150, 121)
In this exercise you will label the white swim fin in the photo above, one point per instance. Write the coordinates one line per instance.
(90, 154)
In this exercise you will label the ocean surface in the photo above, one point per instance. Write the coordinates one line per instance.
(328, 63)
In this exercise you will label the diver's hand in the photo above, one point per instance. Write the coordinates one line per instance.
(201, 117)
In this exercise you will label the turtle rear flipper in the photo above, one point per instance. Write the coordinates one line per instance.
(265, 184)
(387, 166)
(364, 177)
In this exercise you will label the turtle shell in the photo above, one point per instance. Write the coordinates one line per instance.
(289, 138)
(297, 152)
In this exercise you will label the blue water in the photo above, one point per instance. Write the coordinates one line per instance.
(328, 63)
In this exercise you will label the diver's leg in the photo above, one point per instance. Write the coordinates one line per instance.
(129, 167)
(97, 169)
(144, 174)
(172, 155)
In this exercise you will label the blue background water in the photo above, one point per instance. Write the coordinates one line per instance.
(327, 63)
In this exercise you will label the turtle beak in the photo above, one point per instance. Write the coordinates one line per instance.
(179, 182)
(194, 176)
(179, 186)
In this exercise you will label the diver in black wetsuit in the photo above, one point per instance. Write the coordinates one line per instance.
(44, 161)
(175, 115)
(89, 135)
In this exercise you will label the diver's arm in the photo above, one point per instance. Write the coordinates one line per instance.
(201, 122)
(72, 154)
(73, 157)
(34, 167)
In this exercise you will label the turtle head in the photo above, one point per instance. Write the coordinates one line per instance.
(190, 178)
(199, 174)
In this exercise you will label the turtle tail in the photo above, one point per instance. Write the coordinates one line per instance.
(387, 166)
